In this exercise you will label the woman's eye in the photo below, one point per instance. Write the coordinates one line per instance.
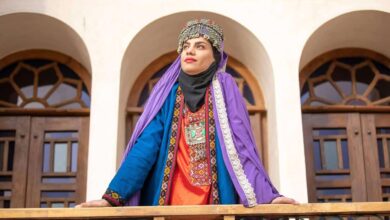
(200, 46)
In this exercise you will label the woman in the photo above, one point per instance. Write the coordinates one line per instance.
(193, 144)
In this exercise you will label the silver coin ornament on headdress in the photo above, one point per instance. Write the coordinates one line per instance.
(201, 28)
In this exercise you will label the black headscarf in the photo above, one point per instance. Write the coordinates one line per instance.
(194, 86)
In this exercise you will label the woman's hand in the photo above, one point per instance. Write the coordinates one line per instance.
(94, 203)
(284, 200)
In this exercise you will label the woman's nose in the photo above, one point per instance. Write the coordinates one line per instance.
(190, 50)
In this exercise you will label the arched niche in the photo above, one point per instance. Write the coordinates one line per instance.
(44, 126)
(344, 81)
(151, 43)
(46, 67)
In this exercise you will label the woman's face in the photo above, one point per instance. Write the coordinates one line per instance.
(197, 56)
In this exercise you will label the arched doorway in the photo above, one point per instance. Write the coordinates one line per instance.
(240, 43)
(345, 97)
(44, 121)
(244, 79)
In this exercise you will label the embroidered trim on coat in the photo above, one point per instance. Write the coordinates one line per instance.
(230, 148)
(173, 142)
(213, 154)
(113, 198)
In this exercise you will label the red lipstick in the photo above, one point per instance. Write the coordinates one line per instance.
(189, 60)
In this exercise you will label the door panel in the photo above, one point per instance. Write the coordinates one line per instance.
(333, 156)
(57, 168)
(377, 149)
(43, 161)
(14, 143)
(366, 142)
(371, 157)
(355, 148)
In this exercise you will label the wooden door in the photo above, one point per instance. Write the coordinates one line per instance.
(58, 147)
(49, 163)
(347, 156)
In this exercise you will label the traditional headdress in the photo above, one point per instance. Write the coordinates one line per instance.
(202, 28)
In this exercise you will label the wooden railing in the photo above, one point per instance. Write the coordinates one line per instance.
(226, 212)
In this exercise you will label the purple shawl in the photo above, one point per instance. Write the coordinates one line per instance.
(241, 133)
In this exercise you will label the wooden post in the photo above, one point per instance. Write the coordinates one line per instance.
(229, 217)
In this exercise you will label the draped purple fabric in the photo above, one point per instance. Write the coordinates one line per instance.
(239, 123)
(244, 142)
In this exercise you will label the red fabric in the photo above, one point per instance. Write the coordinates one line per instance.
(182, 191)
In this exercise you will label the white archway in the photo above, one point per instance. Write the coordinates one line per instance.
(160, 37)
(366, 29)
(359, 33)
(25, 31)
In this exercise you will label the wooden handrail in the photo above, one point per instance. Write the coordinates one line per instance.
(344, 108)
(201, 212)
(44, 112)
(251, 109)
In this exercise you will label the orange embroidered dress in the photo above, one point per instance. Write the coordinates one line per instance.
(191, 183)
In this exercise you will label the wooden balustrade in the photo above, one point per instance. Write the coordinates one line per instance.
(207, 212)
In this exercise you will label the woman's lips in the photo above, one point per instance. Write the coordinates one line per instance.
(189, 60)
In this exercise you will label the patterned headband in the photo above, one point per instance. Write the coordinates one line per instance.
(201, 28)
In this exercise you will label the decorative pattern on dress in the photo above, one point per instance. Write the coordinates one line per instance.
(195, 136)
(230, 148)
(173, 142)
(204, 133)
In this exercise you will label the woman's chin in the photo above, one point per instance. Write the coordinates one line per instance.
(192, 72)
